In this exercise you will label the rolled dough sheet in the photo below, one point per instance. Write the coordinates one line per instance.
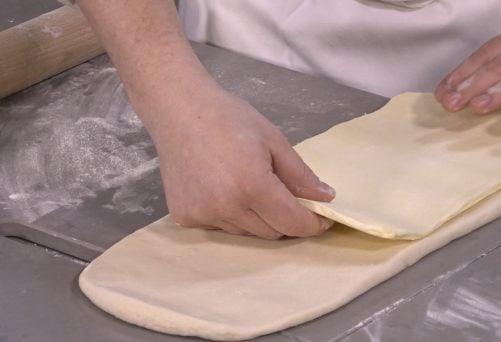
(404, 170)
(224, 287)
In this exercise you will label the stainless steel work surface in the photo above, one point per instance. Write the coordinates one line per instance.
(14, 12)
(78, 172)
(40, 300)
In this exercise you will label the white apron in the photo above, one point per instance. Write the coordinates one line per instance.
(382, 48)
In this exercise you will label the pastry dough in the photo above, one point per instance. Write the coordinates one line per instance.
(404, 170)
(224, 287)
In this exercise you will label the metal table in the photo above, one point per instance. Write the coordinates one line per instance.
(78, 172)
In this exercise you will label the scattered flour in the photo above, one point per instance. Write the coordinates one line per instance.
(75, 140)
(54, 31)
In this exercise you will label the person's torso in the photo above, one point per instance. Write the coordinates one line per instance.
(382, 48)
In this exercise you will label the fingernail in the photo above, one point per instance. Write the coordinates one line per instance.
(483, 101)
(325, 223)
(327, 189)
(454, 100)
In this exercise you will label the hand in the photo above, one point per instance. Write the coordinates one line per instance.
(225, 166)
(476, 83)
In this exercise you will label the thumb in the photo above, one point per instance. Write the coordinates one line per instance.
(297, 176)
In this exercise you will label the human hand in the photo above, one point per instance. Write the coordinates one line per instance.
(223, 164)
(227, 167)
(476, 83)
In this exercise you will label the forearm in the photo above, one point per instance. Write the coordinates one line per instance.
(224, 165)
(147, 45)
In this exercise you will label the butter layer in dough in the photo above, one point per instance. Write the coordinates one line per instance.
(404, 170)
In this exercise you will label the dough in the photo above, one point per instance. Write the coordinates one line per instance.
(224, 287)
(404, 170)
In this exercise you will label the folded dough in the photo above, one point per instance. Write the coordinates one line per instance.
(404, 170)
(225, 287)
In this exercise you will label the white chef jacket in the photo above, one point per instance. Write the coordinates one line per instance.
(382, 48)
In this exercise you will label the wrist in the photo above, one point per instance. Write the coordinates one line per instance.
(170, 103)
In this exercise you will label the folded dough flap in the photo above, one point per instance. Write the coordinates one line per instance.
(406, 169)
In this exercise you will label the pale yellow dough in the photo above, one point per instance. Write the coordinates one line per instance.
(403, 171)
(400, 172)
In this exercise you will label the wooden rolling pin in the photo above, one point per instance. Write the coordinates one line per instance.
(44, 46)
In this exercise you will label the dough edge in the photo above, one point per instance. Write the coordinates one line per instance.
(155, 318)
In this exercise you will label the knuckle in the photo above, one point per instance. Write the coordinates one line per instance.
(219, 205)
(251, 189)
(223, 208)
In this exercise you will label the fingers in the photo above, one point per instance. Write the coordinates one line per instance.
(274, 212)
(484, 77)
(250, 223)
(246, 223)
(231, 228)
(469, 84)
(297, 176)
(488, 101)
(282, 212)
(467, 68)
